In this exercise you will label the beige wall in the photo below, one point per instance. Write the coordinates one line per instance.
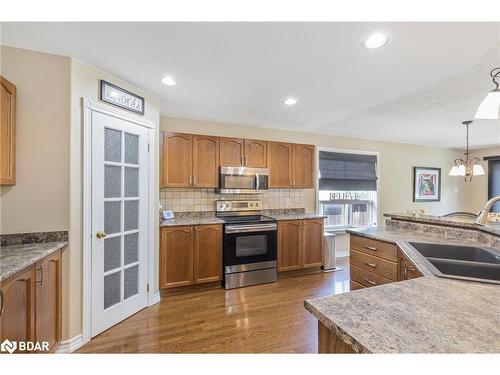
(39, 201)
(396, 161)
(477, 189)
(85, 84)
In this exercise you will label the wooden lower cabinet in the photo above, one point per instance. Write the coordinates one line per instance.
(190, 255)
(300, 244)
(31, 303)
(374, 262)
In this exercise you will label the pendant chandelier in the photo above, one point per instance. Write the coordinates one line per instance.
(467, 167)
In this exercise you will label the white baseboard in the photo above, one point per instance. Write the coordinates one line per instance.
(69, 346)
(156, 298)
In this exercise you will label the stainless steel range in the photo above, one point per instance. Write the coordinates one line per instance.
(250, 244)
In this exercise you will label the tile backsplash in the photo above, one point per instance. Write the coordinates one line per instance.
(190, 199)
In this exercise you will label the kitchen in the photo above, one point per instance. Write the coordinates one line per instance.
(180, 219)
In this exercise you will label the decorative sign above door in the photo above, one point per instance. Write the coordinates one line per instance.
(121, 98)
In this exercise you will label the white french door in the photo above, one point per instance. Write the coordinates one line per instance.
(119, 217)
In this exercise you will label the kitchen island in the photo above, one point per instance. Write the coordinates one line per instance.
(423, 315)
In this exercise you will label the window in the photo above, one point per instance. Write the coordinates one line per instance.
(347, 189)
(494, 179)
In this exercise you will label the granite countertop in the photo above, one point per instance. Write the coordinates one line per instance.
(194, 220)
(439, 220)
(291, 215)
(15, 258)
(424, 315)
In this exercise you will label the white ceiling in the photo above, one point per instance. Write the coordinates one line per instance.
(416, 89)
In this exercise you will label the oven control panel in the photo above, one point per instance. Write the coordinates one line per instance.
(229, 206)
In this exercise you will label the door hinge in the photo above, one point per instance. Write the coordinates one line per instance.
(149, 144)
(147, 287)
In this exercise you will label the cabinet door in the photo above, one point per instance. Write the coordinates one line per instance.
(303, 166)
(231, 152)
(255, 153)
(407, 269)
(7, 132)
(279, 162)
(177, 159)
(17, 321)
(205, 161)
(207, 253)
(176, 256)
(48, 300)
(289, 245)
(312, 253)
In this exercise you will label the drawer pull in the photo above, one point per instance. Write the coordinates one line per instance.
(372, 265)
(2, 303)
(370, 282)
(41, 276)
(408, 269)
(372, 248)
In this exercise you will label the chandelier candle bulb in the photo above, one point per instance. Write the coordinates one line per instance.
(467, 167)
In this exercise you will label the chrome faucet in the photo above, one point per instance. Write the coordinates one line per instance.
(482, 218)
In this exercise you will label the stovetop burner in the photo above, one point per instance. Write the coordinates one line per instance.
(250, 219)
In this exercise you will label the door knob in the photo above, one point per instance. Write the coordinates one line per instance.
(100, 234)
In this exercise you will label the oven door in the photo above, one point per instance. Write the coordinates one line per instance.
(246, 244)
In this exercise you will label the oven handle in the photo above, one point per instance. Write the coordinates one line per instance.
(250, 228)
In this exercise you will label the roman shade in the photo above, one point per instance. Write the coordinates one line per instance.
(342, 171)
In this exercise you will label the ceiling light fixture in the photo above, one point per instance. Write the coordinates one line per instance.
(489, 109)
(169, 81)
(467, 167)
(290, 101)
(375, 41)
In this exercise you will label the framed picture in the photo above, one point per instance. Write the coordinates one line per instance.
(426, 184)
(121, 98)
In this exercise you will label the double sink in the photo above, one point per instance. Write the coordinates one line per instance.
(460, 261)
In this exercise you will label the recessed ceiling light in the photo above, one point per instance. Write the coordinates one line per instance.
(375, 41)
(290, 101)
(169, 81)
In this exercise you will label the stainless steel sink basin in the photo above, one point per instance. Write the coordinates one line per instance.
(460, 262)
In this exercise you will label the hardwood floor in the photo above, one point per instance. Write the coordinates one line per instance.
(267, 318)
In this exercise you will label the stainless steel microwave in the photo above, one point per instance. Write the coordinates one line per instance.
(243, 180)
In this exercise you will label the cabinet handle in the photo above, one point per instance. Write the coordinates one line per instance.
(41, 276)
(190, 180)
(246, 160)
(408, 269)
(370, 282)
(294, 181)
(241, 159)
(372, 265)
(372, 248)
(194, 180)
(2, 302)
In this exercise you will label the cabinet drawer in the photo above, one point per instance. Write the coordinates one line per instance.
(374, 264)
(367, 278)
(355, 285)
(373, 247)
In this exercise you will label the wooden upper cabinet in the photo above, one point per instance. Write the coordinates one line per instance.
(177, 158)
(255, 153)
(205, 161)
(48, 300)
(289, 245)
(279, 162)
(176, 254)
(312, 253)
(7, 132)
(231, 152)
(17, 320)
(207, 253)
(303, 166)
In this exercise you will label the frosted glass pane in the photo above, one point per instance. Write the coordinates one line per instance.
(131, 215)
(112, 289)
(112, 181)
(131, 248)
(112, 253)
(112, 217)
(112, 145)
(131, 182)
(131, 149)
(131, 282)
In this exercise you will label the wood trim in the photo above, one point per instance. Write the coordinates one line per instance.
(330, 343)
(10, 178)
